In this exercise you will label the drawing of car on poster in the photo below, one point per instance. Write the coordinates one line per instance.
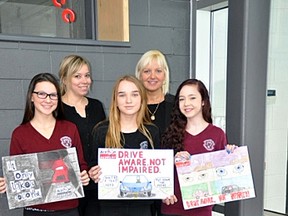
(231, 189)
(200, 193)
(136, 186)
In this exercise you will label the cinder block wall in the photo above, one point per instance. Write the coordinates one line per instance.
(154, 24)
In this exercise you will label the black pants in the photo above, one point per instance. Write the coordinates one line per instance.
(126, 210)
(170, 215)
(89, 205)
(69, 212)
(156, 208)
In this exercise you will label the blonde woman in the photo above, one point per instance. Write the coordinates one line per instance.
(128, 127)
(85, 112)
(153, 71)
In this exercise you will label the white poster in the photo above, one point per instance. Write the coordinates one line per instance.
(135, 174)
(42, 177)
(216, 177)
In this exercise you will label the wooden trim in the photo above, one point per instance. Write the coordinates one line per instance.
(113, 20)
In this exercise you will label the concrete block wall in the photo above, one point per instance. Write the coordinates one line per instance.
(154, 24)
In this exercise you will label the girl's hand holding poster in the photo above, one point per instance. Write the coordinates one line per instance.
(135, 173)
(216, 177)
(42, 177)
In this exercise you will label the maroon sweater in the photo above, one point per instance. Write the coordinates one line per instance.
(25, 139)
(210, 139)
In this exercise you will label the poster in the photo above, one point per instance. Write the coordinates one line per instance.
(135, 174)
(42, 177)
(215, 177)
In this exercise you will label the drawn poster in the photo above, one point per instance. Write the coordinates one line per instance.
(135, 174)
(42, 177)
(215, 177)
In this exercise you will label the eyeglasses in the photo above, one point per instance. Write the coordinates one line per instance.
(44, 95)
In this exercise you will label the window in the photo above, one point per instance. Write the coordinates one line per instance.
(211, 58)
(66, 19)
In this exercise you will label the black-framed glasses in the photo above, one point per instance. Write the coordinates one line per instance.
(44, 95)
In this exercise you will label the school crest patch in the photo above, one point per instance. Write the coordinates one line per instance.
(66, 141)
(209, 144)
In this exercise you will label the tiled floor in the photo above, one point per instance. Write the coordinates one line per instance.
(265, 214)
(216, 214)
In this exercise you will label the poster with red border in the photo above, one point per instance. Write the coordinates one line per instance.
(135, 173)
(216, 177)
(44, 177)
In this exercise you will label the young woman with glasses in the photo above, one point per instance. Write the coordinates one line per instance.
(43, 128)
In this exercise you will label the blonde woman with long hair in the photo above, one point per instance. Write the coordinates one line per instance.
(128, 127)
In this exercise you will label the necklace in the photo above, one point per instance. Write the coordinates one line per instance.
(153, 113)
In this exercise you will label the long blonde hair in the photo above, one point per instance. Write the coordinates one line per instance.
(113, 136)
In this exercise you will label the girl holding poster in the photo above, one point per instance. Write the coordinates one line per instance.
(129, 127)
(191, 132)
(43, 129)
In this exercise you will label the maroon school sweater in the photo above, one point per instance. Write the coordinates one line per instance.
(25, 139)
(210, 139)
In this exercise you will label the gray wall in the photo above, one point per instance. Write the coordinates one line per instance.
(154, 24)
(248, 34)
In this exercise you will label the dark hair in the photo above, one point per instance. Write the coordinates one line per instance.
(29, 107)
(174, 134)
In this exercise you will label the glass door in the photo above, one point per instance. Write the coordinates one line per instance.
(211, 63)
(211, 58)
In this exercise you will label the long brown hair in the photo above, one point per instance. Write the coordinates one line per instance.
(30, 108)
(174, 135)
